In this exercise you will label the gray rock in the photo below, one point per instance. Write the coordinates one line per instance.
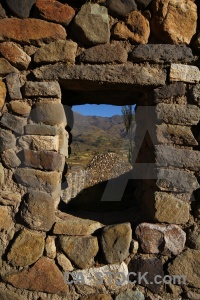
(6, 68)
(13, 122)
(120, 7)
(162, 53)
(7, 140)
(38, 211)
(196, 94)
(91, 25)
(40, 129)
(42, 89)
(13, 85)
(142, 4)
(130, 295)
(20, 8)
(10, 159)
(115, 241)
(169, 92)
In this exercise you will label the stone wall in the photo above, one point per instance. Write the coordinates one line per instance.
(54, 55)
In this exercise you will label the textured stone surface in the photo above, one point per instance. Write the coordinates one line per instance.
(80, 250)
(136, 29)
(2, 94)
(156, 238)
(40, 129)
(2, 176)
(56, 51)
(197, 43)
(6, 220)
(14, 123)
(20, 8)
(174, 22)
(184, 73)
(96, 297)
(159, 53)
(5, 67)
(30, 31)
(196, 94)
(38, 211)
(55, 11)
(91, 25)
(7, 140)
(8, 295)
(39, 142)
(71, 225)
(34, 279)
(50, 247)
(121, 8)
(21, 108)
(15, 55)
(13, 85)
(170, 209)
(27, 248)
(187, 264)
(48, 160)
(130, 295)
(115, 241)
(10, 159)
(64, 262)
(169, 92)
(108, 53)
(42, 89)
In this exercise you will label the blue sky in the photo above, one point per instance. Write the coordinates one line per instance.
(98, 110)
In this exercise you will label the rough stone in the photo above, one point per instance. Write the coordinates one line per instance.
(75, 226)
(108, 53)
(121, 8)
(7, 140)
(13, 85)
(162, 53)
(50, 247)
(38, 211)
(10, 159)
(196, 94)
(152, 266)
(34, 279)
(10, 198)
(174, 22)
(13, 122)
(187, 264)
(27, 248)
(170, 209)
(80, 250)
(91, 25)
(130, 294)
(21, 108)
(64, 262)
(39, 142)
(2, 12)
(55, 11)
(184, 73)
(36, 32)
(169, 92)
(8, 295)
(40, 129)
(6, 220)
(115, 241)
(49, 113)
(196, 44)
(15, 55)
(38, 180)
(5, 67)
(56, 51)
(193, 238)
(2, 94)
(96, 297)
(156, 238)
(2, 176)
(142, 4)
(178, 114)
(42, 89)
(19, 8)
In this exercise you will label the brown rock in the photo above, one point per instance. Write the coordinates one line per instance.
(64, 262)
(5, 218)
(50, 247)
(8, 295)
(30, 31)
(15, 55)
(13, 122)
(39, 142)
(174, 22)
(44, 276)
(55, 11)
(80, 250)
(2, 94)
(5, 67)
(9, 198)
(13, 85)
(2, 176)
(10, 159)
(21, 108)
(27, 248)
(96, 297)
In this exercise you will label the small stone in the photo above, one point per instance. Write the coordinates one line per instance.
(108, 53)
(174, 22)
(64, 262)
(80, 250)
(15, 55)
(193, 238)
(38, 211)
(75, 226)
(184, 73)
(87, 22)
(8, 295)
(2, 12)
(56, 51)
(196, 94)
(40, 129)
(6, 221)
(169, 92)
(55, 11)
(96, 297)
(134, 246)
(13, 85)
(10, 159)
(50, 247)
(27, 248)
(130, 295)
(42, 89)
(36, 31)
(44, 276)
(9, 198)
(7, 140)
(115, 241)
(13, 122)
(47, 160)
(2, 94)
(19, 8)
(39, 142)
(142, 4)
(187, 264)
(5, 67)
(121, 8)
(21, 108)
